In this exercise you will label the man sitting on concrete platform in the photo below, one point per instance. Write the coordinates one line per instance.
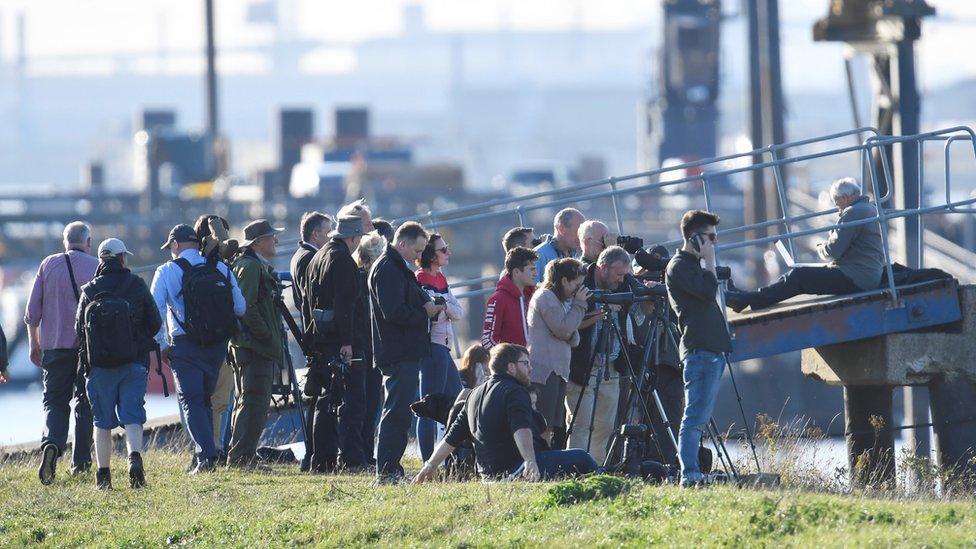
(855, 253)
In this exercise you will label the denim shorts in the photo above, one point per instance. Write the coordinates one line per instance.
(118, 395)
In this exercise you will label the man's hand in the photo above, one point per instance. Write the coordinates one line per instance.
(708, 254)
(35, 353)
(3, 376)
(530, 471)
(433, 310)
(345, 353)
(427, 473)
(164, 354)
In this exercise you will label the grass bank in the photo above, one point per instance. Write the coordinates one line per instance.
(288, 508)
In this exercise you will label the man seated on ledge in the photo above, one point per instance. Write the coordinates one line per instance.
(497, 417)
(855, 253)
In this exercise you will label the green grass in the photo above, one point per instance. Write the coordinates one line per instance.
(287, 508)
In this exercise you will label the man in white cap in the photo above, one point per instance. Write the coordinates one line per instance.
(116, 323)
(257, 348)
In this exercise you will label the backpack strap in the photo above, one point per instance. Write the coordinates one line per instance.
(71, 274)
(159, 369)
(184, 266)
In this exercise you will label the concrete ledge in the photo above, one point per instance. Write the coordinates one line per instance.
(907, 358)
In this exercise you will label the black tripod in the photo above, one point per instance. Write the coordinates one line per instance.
(661, 330)
(291, 387)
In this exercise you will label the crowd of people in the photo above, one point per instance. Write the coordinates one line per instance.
(542, 395)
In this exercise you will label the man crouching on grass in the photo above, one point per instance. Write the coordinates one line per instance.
(497, 417)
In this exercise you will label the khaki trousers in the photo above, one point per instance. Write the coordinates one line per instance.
(604, 421)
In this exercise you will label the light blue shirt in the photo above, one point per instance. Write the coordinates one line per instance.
(166, 291)
(547, 252)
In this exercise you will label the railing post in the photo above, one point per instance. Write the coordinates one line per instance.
(521, 216)
(616, 207)
(784, 203)
(883, 229)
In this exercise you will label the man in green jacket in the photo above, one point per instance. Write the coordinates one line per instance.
(257, 347)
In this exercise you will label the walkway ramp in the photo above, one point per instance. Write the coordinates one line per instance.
(796, 325)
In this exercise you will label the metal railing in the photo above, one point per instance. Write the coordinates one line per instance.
(717, 171)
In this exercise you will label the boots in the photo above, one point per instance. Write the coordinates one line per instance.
(137, 475)
(103, 478)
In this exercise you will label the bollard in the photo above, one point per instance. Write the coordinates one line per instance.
(953, 404)
(870, 440)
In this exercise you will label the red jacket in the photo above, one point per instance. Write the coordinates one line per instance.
(505, 314)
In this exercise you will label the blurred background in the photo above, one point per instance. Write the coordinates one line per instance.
(124, 114)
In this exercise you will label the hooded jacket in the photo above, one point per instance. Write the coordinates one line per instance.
(145, 316)
(506, 319)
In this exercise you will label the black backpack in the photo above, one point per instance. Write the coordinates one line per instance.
(208, 303)
(109, 338)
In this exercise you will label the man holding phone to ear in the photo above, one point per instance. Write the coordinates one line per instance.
(692, 291)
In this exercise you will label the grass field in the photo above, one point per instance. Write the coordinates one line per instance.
(286, 508)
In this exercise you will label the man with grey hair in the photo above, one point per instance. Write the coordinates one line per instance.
(855, 254)
(593, 238)
(50, 319)
(564, 242)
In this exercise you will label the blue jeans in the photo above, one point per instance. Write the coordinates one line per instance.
(62, 382)
(561, 463)
(195, 369)
(118, 395)
(438, 374)
(703, 374)
(400, 380)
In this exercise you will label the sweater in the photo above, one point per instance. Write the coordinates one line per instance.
(553, 332)
(505, 320)
(440, 328)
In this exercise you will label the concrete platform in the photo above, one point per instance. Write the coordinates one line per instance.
(909, 358)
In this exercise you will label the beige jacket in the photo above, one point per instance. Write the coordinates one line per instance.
(553, 332)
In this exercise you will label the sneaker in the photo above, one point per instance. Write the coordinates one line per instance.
(49, 463)
(137, 475)
(103, 478)
(204, 465)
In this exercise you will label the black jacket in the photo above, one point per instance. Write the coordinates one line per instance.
(581, 359)
(299, 278)
(691, 292)
(362, 336)
(332, 285)
(401, 328)
(145, 316)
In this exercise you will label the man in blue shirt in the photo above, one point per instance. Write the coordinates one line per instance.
(194, 366)
(563, 243)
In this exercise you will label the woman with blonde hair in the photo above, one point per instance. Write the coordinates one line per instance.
(370, 248)
(555, 314)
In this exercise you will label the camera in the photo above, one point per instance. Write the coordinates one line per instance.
(634, 435)
(653, 259)
(630, 243)
(536, 241)
(640, 290)
(723, 272)
(321, 375)
(440, 300)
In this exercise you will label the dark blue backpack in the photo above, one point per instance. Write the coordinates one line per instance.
(208, 303)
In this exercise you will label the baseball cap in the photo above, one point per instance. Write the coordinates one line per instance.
(180, 233)
(112, 247)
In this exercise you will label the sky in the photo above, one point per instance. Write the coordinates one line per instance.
(71, 27)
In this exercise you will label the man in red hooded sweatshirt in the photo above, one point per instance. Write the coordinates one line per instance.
(505, 314)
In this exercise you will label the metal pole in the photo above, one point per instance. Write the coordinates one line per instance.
(211, 52)
(772, 94)
(755, 204)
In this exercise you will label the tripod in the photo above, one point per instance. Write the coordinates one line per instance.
(294, 391)
(660, 328)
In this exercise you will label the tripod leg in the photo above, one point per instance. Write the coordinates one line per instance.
(745, 422)
(721, 443)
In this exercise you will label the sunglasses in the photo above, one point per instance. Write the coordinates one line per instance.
(444, 250)
(711, 236)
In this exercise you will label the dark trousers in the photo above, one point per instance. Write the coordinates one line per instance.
(195, 370)
(551, 403)
(374, 406)
(555, 464)
(253, 378)
(62, 382)
(802, 280)
(337, 427)
(401, 380)
(438, 374)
